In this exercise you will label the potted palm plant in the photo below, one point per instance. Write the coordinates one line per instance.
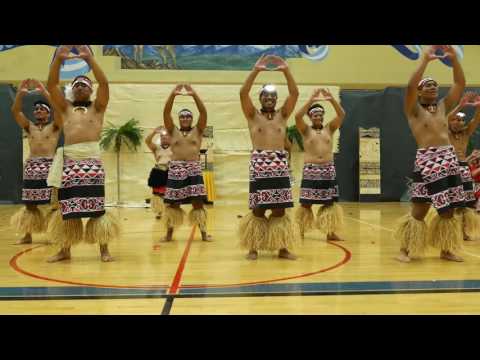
(294, 136)
(129, 134)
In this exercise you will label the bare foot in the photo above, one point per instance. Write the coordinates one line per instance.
(403, 257)
(467, 238)
(334, 237)
(27, 239)
(450, 257)
(168, 237)
(60, 256)
(105, 254)
(285, 254)
(106, 257)
(156, 247)
(206, 237)
(252, 255)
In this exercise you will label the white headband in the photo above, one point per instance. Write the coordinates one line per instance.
(422, 82)
(46, 107)
(185, 113)
(461, 115)
(83, 81)
(316, 109)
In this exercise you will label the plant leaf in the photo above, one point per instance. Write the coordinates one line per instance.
(129, 134)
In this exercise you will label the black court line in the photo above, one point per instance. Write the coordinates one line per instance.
(167, 307)
(329, 293)
(170, 298)
(79, 297)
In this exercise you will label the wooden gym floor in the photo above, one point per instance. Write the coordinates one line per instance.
(187, 276)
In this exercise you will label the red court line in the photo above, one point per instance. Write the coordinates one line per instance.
(181, 266)
(176, 281)
(14, 265)
(347, 257)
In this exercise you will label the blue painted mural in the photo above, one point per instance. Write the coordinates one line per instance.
(70, 68)
(212, 57)
(227, 57)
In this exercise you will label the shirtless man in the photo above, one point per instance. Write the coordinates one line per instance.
(42, 139)
(77, 170)
(459, 135)
(436, 175)
(474, 165)
(319, 183)
(185, 179)
(159, 174)
(270, 187)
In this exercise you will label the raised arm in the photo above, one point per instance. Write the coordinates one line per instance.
(291, 100)
(149, 139)
(337, 122)
(473, 124)
(56, 115)
(202, 120)
(167, 110)
(465, 99)
(456, 91)
(410, 103)
(17, 111)
(300, 123)
(103, 93)
(245, 99)
(57, 96)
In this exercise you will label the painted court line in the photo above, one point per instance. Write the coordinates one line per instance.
(298, 289)
(17, 268)
(369, 224)
(181, 266)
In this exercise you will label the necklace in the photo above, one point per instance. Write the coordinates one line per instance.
(268, 114)
(40, 126)
(185, 132)
(431, 108)
(318, 130)
(81, 106)
(456, 134)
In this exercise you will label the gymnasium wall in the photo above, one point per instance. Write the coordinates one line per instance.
(140, 94)
(347, 66)
(10, 149)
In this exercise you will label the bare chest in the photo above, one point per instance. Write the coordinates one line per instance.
(429, 117)
(191, 138)
(318, 137)
(263, 125)
(163, 153)
(42, 133)
(81, 117)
